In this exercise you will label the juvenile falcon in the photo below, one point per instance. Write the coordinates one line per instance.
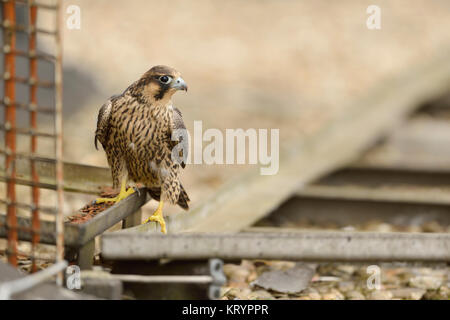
(138, 131)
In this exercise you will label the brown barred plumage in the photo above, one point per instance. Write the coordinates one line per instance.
(135, 130)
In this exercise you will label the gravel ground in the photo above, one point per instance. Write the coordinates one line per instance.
(333, 281)
(339, 281)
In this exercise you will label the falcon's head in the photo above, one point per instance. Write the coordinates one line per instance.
(159, 83)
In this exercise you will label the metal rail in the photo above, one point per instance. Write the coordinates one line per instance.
(162, 279)
(30, 107)
(279, 244)
(10, 288)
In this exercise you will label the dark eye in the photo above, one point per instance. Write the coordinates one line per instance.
(165, 79)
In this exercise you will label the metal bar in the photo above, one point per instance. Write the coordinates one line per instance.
(277, 244)
(29, 183)
(11, 26)
(33, 124)
(46, 233)
(31, 81)
(10, 288)
(37, 4)
(25, 230)
(30, 107)
(29, 156)
(162, 279)
(32, 207)
(8, 127)
(9, 39)
(30, 54)
(59, 141)
(106, 219)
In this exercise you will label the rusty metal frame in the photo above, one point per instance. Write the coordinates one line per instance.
(9, 37)
(33, 124)
(11, 225)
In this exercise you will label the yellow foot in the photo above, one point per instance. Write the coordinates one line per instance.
(122, 195)
(157, 216)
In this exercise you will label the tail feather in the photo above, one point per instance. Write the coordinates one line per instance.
(155, 193)
(183, 198)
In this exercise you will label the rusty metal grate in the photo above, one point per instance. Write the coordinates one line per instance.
(14, 134)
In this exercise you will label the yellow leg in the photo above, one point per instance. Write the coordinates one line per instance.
(157, 216)
(122, 194)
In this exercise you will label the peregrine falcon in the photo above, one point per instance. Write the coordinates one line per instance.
(137, 131)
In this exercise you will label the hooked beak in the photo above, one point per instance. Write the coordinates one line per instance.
(179, 84)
